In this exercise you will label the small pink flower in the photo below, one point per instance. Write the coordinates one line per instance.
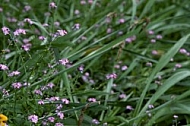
(150, 32)
(33, 118)
(154, 52)
(27, 8)
(113, 75)
(41, 102)
(38, 92)
(64, 100)
(1, 9)
(14, 73)
(129, 107)
(51, 119)
(183, 51)
(92, 99)
(123, 68)
(159, 36)
(178, 65)
(52, 5)
(150, 106)
(109, 30)
(122, 96)
(59, 124)
(61, 32)
(82, 2)
(95, 121)
(64, 61)
(5, 30)
(19, 31)
(56, 23)
(153, 40)
(41, 38)
(3, 67)
(121, 20)
(61, 115)
(28, 20)
(51, 85)
(17, 85)
(77, 12)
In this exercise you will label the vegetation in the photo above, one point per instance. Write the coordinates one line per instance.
(95, 62)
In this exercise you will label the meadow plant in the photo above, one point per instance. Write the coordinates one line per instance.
(94, 63)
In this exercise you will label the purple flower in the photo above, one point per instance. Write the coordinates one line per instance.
(51, 119)
(183, 51)
(17, 85)
(27, 8)
(64, 61)
(92, 99)
(95, 121)
(3, 67)
(61, 115)
(121, 20)
(5, 30)
(52, 5)
(14, 73)
(129, 107)
(41, 102)
(33, 118)
(153, 40)
(59, 124)
(38, 92)
(123, 68)
(61, 32)
(159, 36)
(51, 85)
(122, 96)
(154, 52)
(64, 100)
(28, 20)
(113, 75)
(150, 32)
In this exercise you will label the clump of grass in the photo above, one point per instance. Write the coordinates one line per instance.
(95, 62)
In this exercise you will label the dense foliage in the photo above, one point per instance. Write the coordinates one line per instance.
(95, 62)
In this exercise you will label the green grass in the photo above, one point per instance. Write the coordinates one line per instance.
(112, 76)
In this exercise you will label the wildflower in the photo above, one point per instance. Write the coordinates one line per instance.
(56, 23)
(122, 96)
(150, 32)
(153, 40)
(33, 118)
(5, 30)
(52, 5)
(92, 99)
(58, 107)
(64, 61)
(41, 102)
(149, 114)
(77, 12)
(128, 40)
(123, 68)
(27, 8)
(51, 119)
(159, 36)
(105, 124)
(76, 26)
(109, 30)
(28, 20)
(154, 52)
(121, 20)
(178, 65)
(128, 107)
(90, 1)
(17, 85)
(61, 115)
(19, 31)
(38, 92)
(3, 120)
(95, 121)
(61, 32)
(183, 51)
(51, 85)
(82, 2)
(3, 67)
(59, 124)
(150, 106)
(14, 73)
(64, 100)
(113, 75)
(41, 38)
